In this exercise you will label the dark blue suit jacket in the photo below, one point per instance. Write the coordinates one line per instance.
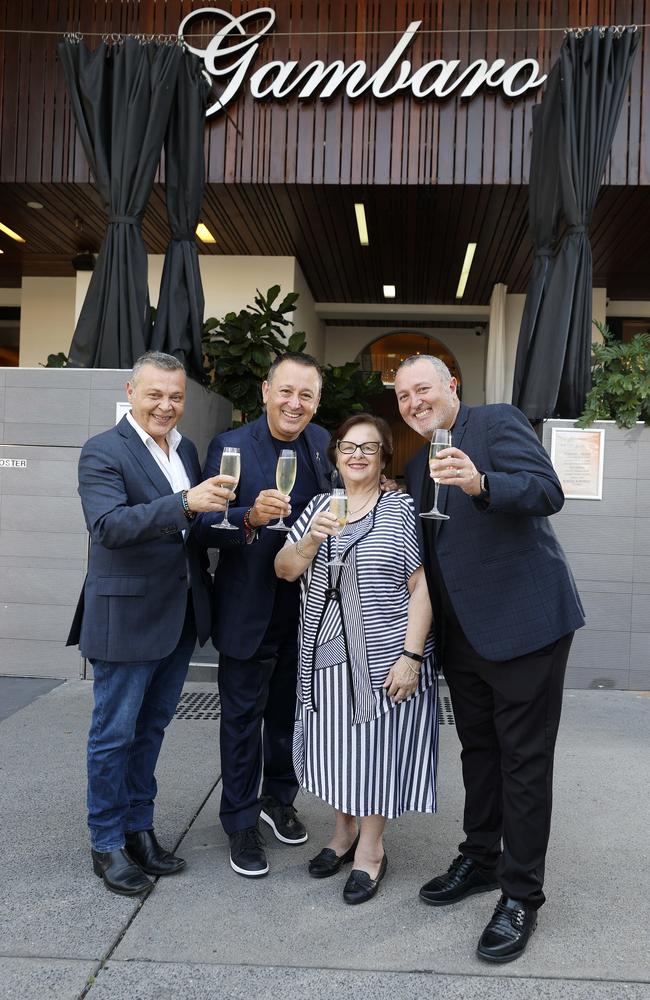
(506, 573)
(245, 580)
(134, 599)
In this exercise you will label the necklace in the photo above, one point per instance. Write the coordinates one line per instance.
(364, 504)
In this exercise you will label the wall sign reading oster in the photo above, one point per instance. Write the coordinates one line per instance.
(231, 53)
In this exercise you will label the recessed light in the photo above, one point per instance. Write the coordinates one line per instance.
(362, 226)
(389, 291)
(11, 233)
(34, 204)
(204, 233)
(464, 274)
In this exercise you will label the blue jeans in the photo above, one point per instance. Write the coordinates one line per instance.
(134, 703)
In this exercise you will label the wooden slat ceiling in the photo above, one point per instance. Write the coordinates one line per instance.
(418, 235)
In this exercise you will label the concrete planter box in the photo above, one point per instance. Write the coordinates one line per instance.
(607, 543)
(46, 415)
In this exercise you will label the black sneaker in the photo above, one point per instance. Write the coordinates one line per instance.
(284, 821)
(247, 855)
(508, 932)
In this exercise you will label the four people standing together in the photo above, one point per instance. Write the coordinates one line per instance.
(349, 624)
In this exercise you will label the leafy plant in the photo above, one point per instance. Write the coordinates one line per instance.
(59, 360)
(240, 348)
(346, 390)
(620, 380)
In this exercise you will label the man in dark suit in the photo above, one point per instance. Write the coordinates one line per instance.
(145, 598)
(256, 615)
(506, 607)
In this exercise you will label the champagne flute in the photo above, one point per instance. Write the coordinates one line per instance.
(230, 466)
(440, 439)
(339, 508)
(285, 478)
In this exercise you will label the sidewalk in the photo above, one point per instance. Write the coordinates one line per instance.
(211, 935)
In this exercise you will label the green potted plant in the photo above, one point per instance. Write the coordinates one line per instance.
(620, 380)
(239, 349)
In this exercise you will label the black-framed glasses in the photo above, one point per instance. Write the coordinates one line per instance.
(367, 448)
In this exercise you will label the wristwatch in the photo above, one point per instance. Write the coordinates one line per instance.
(484, 486)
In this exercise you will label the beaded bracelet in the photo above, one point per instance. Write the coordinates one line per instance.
(189, 514)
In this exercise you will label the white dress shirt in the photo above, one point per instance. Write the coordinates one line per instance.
(171, 465)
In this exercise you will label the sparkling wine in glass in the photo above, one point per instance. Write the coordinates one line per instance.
(285, 478)
(230, 466)
(339, 508)
(440, 439)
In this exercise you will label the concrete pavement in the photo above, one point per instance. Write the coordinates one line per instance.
(209, 934)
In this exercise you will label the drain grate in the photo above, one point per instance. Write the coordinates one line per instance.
(197, 706)
(445, 711)
(202, 706)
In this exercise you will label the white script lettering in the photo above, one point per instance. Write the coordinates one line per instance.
(230, 54)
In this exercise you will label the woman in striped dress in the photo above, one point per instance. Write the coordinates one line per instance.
(366, 736)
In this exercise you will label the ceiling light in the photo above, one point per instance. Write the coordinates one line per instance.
(10, 232)
(362, 225)
(204, 233)
(389, 291)
(464, 274)
(34, 204)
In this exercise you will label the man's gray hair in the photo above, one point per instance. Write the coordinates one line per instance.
(167, 362)
(438, 364)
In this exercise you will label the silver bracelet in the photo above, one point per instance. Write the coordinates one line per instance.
(300, 552)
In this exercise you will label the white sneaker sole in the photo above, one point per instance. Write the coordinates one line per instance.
(247, 873)
(285, 840)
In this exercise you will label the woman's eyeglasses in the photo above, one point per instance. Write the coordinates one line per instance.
(367, 448)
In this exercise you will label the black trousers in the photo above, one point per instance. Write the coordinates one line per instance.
(258, 705)
(507, 717)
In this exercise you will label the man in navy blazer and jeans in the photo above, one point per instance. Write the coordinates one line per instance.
(145, 598)
(256, 615)
(506, 608)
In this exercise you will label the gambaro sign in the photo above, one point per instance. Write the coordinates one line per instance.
(231, 55)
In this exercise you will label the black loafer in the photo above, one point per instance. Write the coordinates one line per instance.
(359, 887)
(152, 858)
(328, 862)
(506, 936)
(463, 878)
(120, 873)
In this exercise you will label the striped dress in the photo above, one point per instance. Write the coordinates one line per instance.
(353, 746)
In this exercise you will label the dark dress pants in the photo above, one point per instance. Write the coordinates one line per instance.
(258, 707)
(507, 717)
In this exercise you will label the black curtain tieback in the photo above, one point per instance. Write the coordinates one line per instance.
(577, 229)
(129, 220)
(183, 238)
(546, 251)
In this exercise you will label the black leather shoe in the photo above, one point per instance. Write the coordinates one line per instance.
(120, 873)
(328, 862)
(506, 936)
(463, 878)
(284, 821)
(152, 858)
(359, 887)
(247, 855)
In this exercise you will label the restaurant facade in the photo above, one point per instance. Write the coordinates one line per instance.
(373, 156)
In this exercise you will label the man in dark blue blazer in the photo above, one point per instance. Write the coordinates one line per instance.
(255, 625)
(145, 598)
(506, 608)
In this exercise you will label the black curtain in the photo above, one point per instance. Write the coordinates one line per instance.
(573, 138)
(179, 316)
(121, 97)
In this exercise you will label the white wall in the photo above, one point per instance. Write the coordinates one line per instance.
(305, 317)
(344, 343)
(46, 318)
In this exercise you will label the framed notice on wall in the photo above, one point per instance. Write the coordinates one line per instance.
(577, 457)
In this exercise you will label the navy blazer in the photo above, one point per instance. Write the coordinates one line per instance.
(245, 580)
(506, 573)
(133, 603)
